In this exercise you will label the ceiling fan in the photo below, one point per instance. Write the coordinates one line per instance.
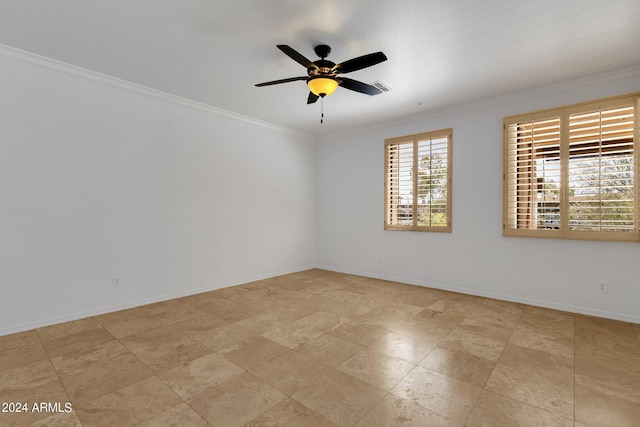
(322, 75)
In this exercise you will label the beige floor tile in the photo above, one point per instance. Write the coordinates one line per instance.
(20, 339)
(77, 341)
(290, 413)
(173, 311)
(290, 372)
(422, 330)
(459, 365)
(359, 288)
(342, 308)
(505, 307)
(339, 397)
(199, 375)
(420, 299)
(458, 296)
(478, 327)
(408, 348)
(232, 293)
(546, 318)
(430, 292)
(26, 377)
(538, 362)
(447, 321)
(541, 338)
(129, 405)
(323, 321)
(393, 411)
(292, 335)
(263, 322)
(390, 317)
(236, 401)
(387, 294)
(378, 369)
(333, 336)
(496, 410)
(86, 358)
(239, 312)
(223, 339)
(68, 328)
(616, 374)
(607, 333)
(133, 326)
(536, 378)
(450, 398)
(13, 357)
(493, 316)
(510, 312)
(595, 407)
(163, 348)
(359, 333)
(213, 303)
(254, 351)
(105, 378)
(454, 306)
(61, 419)
(199, 322)
(178, 416)
(287, 309)
(343, 294)
(329, 350)
(34, 392)
(28, 385)
(483, 346)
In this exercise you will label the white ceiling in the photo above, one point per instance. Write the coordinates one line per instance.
(441, 52)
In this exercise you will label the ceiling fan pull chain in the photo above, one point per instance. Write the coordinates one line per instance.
(322, 110)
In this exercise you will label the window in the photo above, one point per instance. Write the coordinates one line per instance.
(418, 182)
(570, 172)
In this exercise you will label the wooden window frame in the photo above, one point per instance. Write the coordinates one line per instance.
(415, 139)
(511, 174)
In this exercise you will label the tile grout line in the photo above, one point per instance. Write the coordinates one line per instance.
(154, 374)
(57, 375)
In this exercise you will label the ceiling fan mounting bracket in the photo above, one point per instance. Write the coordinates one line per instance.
(322, 50)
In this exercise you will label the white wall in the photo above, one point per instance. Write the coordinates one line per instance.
(475, 258)
(101, 179)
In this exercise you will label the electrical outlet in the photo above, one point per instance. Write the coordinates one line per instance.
(603, 288)
(115, 281)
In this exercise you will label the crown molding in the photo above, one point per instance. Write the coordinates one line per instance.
(74, 70)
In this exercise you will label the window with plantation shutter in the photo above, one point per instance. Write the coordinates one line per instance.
(570, 172)
(418, 182)
(533, 159)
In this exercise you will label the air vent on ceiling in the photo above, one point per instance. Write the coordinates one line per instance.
(381, 86)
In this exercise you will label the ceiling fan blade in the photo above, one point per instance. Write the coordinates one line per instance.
(312, 98)
(360, 62)
(359, 86)
(275, 82)
(296, 56)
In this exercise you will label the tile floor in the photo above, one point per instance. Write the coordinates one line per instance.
(319, 348)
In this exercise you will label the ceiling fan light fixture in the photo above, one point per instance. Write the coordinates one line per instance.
(322, 86)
